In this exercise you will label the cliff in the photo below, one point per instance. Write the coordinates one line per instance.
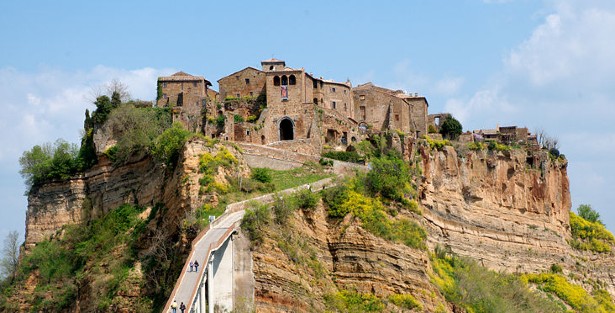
(508, 210)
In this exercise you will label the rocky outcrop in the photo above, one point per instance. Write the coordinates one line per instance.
(508, 210)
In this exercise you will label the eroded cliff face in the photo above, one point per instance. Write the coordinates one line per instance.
(301, 264)
(508, 210)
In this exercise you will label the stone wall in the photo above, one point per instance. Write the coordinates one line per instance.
(248, 82)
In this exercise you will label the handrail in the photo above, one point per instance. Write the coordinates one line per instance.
(210, 250)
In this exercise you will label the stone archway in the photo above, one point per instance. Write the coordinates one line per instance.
(287, 129)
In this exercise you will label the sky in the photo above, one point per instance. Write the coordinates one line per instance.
(545, 65)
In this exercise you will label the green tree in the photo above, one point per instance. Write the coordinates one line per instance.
(166, 148)
(589, 214)
(389, 177)
(50, 161)
(451, 128)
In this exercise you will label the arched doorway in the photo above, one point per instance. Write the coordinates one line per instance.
(287, 129)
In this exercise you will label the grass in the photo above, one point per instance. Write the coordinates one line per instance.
(308, 173)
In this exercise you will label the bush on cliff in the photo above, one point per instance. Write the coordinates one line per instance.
(472, 287)
(590, 236)
(166, 148)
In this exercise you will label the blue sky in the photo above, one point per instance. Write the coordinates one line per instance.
(541, 64)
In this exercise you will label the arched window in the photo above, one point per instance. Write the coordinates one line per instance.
(315, 100)
(315, 83)
(271, 68)
(292, 80)
(276, 80)
(284, 80)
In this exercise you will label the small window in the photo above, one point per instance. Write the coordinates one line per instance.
(362, 97)
(397, 117)
(292, 80)
(164, 84)
(194, 84)
(251, 94)
(284, 80)
(248, 132)
(164, 96)
(333, 104)
(238, 95)
(182, 86)
(315, 100)
(315, 84)
(345, 106)
(271, 68)
(247, 81)
(276, 81)
(345, 91)
(332, 89)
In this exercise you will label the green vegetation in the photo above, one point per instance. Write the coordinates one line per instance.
(166, 148)
(590, 236)
(346, 156)
(405, 301)
(494, 145)
(437, 144)
(476, 289)
(477, 146)
(262, 174)
(50, 162)
(238, 118)
(308, 173)
(254, 222)
(352, 301)
(102, 249)
(574, 295)
(451, 128)
(389, 180)
(586, 212)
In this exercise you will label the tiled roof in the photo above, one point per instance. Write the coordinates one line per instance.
(181, 76)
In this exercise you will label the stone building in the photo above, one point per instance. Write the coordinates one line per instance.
(382, 109)
(186, 95)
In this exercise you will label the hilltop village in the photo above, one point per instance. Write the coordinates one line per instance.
(291, 109)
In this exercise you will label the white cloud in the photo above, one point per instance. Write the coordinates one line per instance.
(449, 85)
(560, 79)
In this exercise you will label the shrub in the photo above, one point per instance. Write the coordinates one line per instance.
(573, 295)
(431, 129)
(306, 199)
(476, 289)
(405, 301)
(346, 156)
(335, 197)
(262, 174)
(389, 177)
(238, 118)
(325, 162)
(220, 121)
(166, 148)
(254, 222)
(436, 144)
(476, 146)
(282, 208)
(556, 268)
(592, 236)
(493, 145)
(352, 301)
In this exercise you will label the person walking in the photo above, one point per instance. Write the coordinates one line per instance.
(174, 306)
(191, 265)
(182, 307)
(196, 266)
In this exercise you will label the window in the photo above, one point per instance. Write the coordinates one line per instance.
(247, 81)
(271, 68)
(248, 132)
(397, 117)
(362, 112)
(194, 84)
(315, 83)
(345, 106)
(333, 89)
(238, 95)
(182, 86)
(362, 97)
(164, 84)
(164, 96)
(276, 81)
(345, 91)
(333, 104)
(284, 80)
(292, 80)
(251, 94)
(315, 100)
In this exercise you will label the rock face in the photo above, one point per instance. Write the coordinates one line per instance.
(320, 257)
(508, 210)
(105, 187)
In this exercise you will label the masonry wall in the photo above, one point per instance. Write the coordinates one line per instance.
(341, 94)
(418, 114)
(376, 105)
(235, 85)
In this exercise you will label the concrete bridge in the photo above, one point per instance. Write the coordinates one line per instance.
(224, 263)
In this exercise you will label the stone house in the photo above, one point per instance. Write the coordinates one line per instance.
(382, 109)
(186, 95)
